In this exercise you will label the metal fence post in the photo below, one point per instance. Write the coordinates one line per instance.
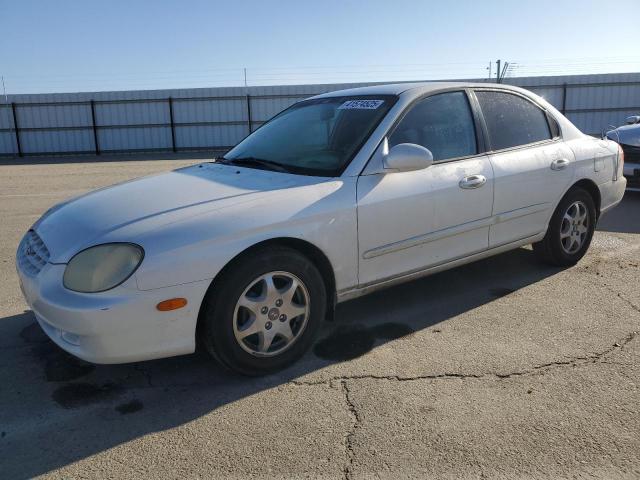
(564, 98)
(173, 125)
(249, 125)
(95, 129)
(15, 124)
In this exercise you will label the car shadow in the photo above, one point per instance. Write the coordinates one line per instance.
(58, 410)
(625, 218)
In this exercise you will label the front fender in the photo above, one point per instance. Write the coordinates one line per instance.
(199, 247)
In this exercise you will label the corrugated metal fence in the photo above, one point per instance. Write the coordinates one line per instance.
(218, 118)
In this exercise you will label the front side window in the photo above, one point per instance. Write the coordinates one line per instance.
(443, 123)
(313, 137)
(512, 120)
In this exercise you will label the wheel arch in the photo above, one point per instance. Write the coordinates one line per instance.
(593, 190)
(306, 248)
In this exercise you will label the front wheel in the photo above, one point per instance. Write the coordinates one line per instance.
(570, 230)
(263, 313)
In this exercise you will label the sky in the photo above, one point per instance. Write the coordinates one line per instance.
(68, 46)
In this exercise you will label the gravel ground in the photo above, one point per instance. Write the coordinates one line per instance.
(499, 369)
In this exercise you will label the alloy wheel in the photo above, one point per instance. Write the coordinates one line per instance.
(271, 314)
(574, 228)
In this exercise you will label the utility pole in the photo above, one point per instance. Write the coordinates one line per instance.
(489, 69)
(505, 69)
(6, 100)
(501, 72)
(248, 97)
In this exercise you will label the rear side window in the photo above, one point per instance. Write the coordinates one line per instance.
(512, 120)
(442, 123)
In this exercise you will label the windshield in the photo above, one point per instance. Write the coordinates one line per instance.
(313, 137)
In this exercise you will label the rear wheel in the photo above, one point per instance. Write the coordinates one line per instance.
(263, 313)
(570, 230)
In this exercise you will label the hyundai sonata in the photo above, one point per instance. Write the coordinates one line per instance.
(337, 196)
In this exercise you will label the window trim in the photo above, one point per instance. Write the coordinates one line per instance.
(554, 125)
(548, 116)
(480, 139)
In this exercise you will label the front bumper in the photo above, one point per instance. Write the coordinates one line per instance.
(118, 326)
(631, 172)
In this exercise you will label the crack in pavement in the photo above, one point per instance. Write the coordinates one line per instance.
(535, 370)
(348, 440)
(611, 289)
(575, 361)
(623, 298)
(357, 420)
(597, 282)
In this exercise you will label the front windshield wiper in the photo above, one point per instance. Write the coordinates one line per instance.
(257, 162)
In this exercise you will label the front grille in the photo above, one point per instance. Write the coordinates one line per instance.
(33, 254)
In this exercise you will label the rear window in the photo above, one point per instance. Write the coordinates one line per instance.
(512, 120)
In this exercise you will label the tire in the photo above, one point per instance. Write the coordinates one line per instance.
(252, 295)
(568, 237)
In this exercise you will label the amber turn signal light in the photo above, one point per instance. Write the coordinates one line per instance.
(171, 304)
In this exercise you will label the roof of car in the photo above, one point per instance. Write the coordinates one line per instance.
(412, 91)
(417, 88)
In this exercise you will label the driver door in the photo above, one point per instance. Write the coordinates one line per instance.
(409, 221)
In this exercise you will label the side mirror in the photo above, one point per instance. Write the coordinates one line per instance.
(406, 157)
(633, 119)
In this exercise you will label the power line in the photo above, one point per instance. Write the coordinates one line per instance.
(274, 75)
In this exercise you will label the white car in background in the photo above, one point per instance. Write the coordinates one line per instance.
(335, 197)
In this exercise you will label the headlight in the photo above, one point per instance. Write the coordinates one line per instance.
(102, 267)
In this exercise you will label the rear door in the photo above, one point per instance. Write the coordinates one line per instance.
(532, 166)
(408, 221)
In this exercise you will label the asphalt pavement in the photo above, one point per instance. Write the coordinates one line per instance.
(504, 368)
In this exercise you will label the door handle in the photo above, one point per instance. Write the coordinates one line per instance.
(559, 164)
(473, 181)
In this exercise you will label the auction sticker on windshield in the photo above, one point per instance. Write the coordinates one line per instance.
(361, 104)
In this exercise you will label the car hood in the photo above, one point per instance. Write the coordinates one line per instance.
(150, 202)
(627, 134)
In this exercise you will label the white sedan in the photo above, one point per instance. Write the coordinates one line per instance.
(337, 196)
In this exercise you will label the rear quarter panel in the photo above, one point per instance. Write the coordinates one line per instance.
(596, 160)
